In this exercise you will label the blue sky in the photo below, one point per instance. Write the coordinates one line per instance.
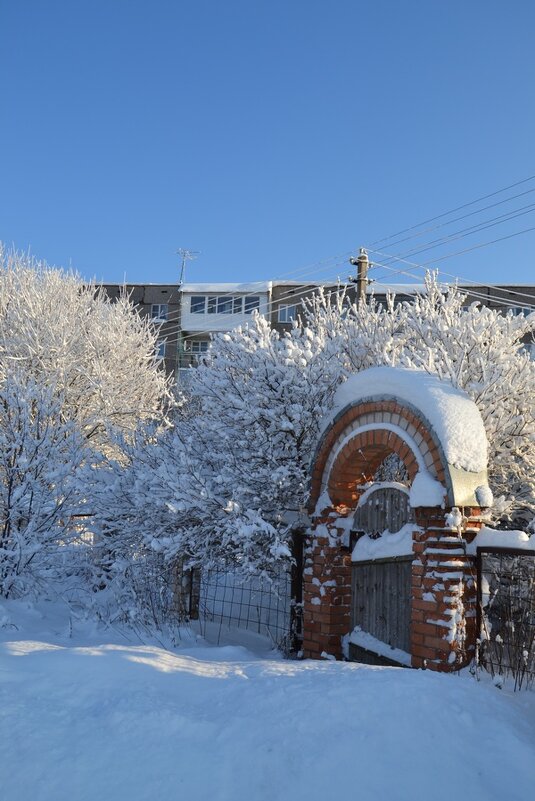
(270, 136)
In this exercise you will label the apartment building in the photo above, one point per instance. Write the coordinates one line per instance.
(187, 315)
(207, 309)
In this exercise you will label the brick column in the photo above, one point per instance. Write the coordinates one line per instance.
(443, 619)
(327, 589)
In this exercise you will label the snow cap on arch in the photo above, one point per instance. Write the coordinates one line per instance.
(451, 417)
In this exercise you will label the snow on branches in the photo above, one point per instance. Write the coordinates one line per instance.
(227, 482)
(99, 354)
(75, 371)
(40, 454)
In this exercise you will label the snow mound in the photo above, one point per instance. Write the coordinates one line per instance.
(451, 413)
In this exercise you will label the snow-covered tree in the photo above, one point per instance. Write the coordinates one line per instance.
(228, 481)
(40, 454)
(76, 371)
(100, 355)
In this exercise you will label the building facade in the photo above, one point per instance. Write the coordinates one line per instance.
(188, 315)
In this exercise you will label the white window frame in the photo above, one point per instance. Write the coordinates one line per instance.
(196, 346)
(161, 348)
(214, 304)
(285, 316)
(155, 312)
(253, 301)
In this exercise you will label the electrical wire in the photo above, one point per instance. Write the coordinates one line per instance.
(452, 211)
(497, 299)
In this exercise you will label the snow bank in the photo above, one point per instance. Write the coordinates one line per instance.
(491, 538)
(452, 414)
(127, 721)
(397, 544)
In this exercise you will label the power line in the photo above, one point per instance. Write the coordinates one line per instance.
(452, 211)
(474, 229)
(456, 253)
(458, 219)
(498, 299)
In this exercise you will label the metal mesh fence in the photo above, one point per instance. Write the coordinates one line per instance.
(506, 614)
(256, 604)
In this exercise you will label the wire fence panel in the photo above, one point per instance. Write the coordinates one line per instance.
(255, 604)
(506, 613)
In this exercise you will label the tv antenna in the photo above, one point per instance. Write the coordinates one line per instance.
(185, 255)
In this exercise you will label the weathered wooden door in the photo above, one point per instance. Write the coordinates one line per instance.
(381, 587)
(381, 592)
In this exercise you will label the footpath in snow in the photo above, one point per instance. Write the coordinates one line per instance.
(89, 716)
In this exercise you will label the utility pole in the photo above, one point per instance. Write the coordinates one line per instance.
(185, 255)
(362, 264)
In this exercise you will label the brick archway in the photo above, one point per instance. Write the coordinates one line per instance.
(357, 440)
(361, 437)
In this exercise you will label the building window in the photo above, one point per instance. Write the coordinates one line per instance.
(199, 345)
(160, 348)
(159, 311)
(252, 302)
(224, 304)
(198, 304)
(287, 313)
(521, 310)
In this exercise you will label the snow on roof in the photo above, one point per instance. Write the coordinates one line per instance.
(256, 286)
(451, 413)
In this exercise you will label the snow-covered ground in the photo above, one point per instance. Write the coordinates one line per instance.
(92, 715)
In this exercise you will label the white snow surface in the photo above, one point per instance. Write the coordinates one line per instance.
(452, 414)
(426, 491)
(490, 537)
(388, 544)
(102, 716)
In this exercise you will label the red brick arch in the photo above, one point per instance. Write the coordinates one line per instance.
(358, 439)
(361, 437)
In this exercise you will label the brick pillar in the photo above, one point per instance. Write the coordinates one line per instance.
(327, 589)
(443, 619)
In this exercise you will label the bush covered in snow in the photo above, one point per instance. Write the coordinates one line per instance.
(68, 358)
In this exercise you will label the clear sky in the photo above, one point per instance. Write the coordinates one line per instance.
(269, 135)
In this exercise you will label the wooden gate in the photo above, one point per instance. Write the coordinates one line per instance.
(381, 594)
(381, 588)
